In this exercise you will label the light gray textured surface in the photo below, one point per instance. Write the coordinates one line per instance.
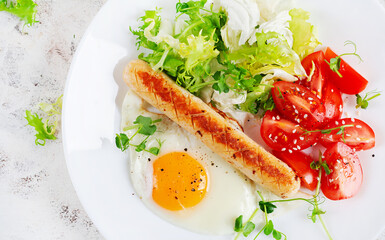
(37, 199)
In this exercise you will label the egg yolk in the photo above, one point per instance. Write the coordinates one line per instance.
(179, 181)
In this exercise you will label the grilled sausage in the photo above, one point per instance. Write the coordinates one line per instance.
(200, 119)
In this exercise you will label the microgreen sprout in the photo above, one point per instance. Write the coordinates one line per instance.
(341, 130)
(364, 102)
(335, 63)
(280, 93)
(145, 126)
(244, 228)
(317, 212)
(268, 207)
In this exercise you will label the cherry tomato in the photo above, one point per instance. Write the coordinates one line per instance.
(316, 83)
(360, 136)
(332, 101)
(300, 163)
(283, 135)
(351, 81)
(345, 178)
(298, 104)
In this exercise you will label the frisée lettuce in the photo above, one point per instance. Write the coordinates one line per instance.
(24, 9)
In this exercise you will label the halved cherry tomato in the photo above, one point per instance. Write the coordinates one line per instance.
(300, 163)
(316, 83)
(332, 101)
(298, 104)
(351, 81)
(345, 178)
(360, 137)
(283, 135)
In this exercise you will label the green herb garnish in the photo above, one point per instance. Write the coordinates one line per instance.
(335, 63)
(244, 228)
(268, 207)
(145, 126)
(341, 130)
(364, 102)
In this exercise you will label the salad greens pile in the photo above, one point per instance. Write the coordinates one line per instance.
(196, 52)
(24, 9)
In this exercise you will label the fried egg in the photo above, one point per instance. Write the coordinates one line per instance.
(186, 184)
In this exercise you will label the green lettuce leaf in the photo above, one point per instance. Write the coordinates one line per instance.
(304, 39)
(45, 130)
(271, 49)
(24, 9)
(150, 17)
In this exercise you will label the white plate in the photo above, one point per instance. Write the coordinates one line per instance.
(91, 117)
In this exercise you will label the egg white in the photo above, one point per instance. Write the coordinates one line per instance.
(229, 193)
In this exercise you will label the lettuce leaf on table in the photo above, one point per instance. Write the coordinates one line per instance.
(24, 9)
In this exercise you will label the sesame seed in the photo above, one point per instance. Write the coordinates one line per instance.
(358, 139)
(301, 138)
(294, 130)
(290, 151)
(340, 108)
(332, 90)
(278, 117)
(273, 118)
(297, 89)
(358, 126)
(336, 122)
(295, 149)
(348, 135)
(283, 149)
(296, 111)
(295, 141)
(318, 96)
(343, 122)
(305, 116)
(310, 98)
(299, 148)
(270, 136)
(353, 120)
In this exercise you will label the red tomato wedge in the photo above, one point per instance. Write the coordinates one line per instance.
(298, 104)
(351, 81)
(300, 163)
(283, 135)
(332, 101)
(316, 83)
(360, 137)
(345, 178)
